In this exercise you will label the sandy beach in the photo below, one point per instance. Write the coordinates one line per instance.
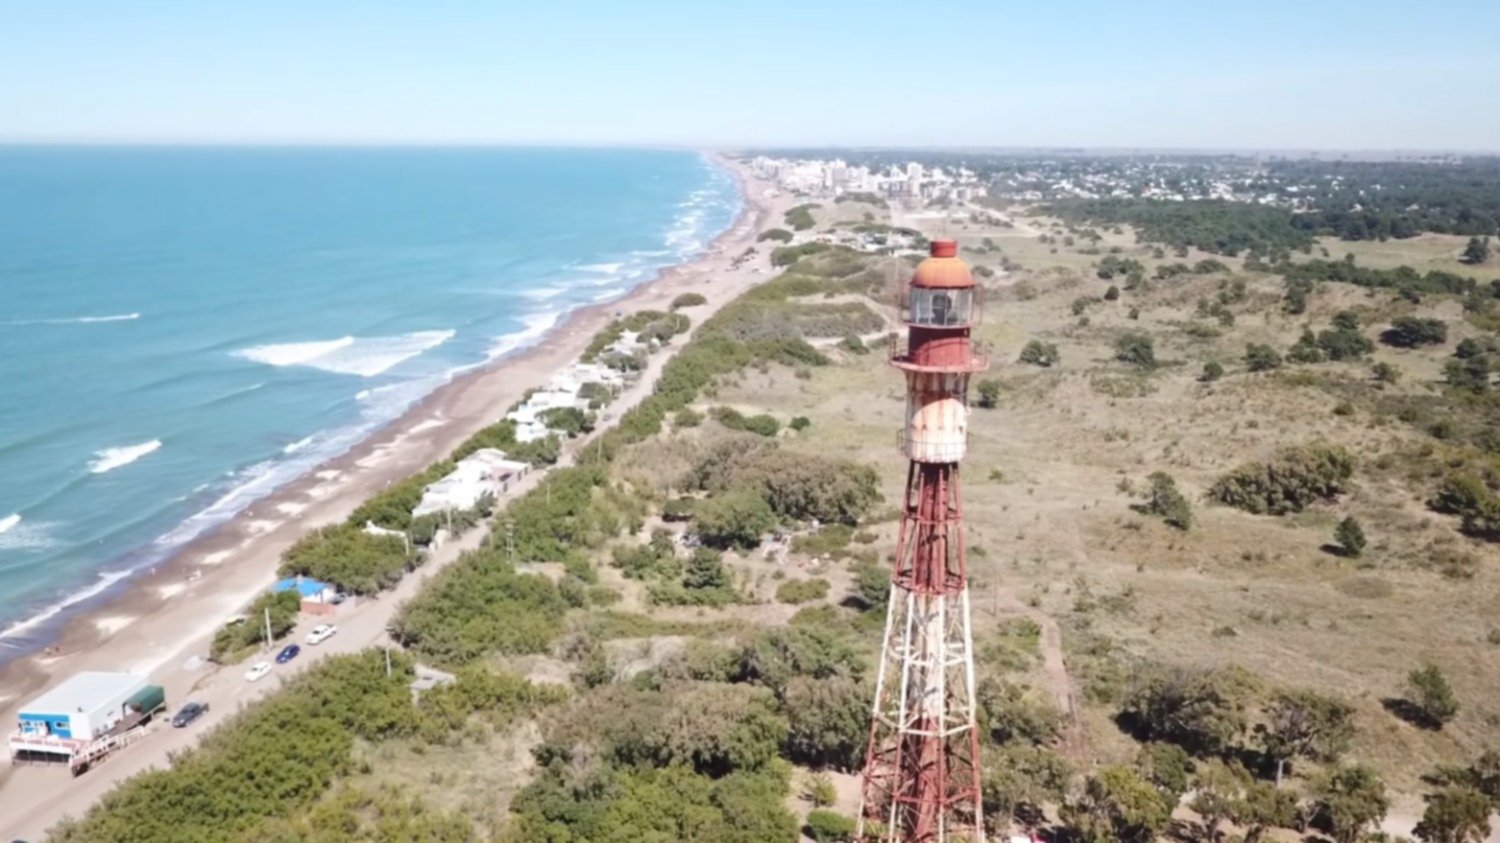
(163, 621)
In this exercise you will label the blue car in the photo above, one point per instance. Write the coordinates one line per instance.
(287, 653)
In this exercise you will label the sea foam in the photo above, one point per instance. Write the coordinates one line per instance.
(110, 459)
(362, 356)
(8, 522)
(78, 320)
(537, 324)
(104, 581)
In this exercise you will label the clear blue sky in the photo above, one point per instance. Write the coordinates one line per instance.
(1275, 73)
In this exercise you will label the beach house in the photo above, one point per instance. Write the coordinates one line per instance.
(84, 717)
(484, 472)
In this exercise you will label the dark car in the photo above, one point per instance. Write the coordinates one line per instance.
(188, 713)
(287, 653)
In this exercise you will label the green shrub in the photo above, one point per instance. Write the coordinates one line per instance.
(1295, 478)
(689, 300)
(1039, 353)
(796, 592)
(1262, 358)
(736, 518)
(800, 218)
(1137, 349)
(828, 827)
(1212, 371)
(777, 235)
(1411, 331)
(235, 637)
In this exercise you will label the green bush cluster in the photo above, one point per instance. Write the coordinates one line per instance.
(800, 218)
(1289, 482)
(689, 300)
(296, 742)
(796, 592)
(761, 425)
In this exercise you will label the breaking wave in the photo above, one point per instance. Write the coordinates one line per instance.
(362, 356)
(110, 459)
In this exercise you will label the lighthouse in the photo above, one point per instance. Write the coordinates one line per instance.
(921, 775)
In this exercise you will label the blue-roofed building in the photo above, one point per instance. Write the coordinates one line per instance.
(310, 590)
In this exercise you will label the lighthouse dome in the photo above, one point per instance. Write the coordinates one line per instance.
(943, 269)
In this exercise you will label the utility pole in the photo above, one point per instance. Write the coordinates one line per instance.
(387, 661)
(510, 539)
(268, 627)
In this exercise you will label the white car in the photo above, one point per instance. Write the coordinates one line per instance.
(257, 671)
(321, 633)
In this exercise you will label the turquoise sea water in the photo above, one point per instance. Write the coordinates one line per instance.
(183, 330)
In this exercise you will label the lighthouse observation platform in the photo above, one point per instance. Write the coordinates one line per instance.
(935, 357)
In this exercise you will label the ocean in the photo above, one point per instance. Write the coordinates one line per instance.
(182, 330)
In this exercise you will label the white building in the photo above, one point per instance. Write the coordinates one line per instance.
(84, 707)
(484, 472)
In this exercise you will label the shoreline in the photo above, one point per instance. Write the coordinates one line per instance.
(191, 592)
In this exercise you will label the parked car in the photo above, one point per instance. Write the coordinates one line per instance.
(188, 713)
(287, 653)
(321, 633)
(257, 671)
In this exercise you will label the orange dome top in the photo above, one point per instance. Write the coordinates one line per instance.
(943, 269)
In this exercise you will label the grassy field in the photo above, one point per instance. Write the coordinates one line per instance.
(1047, 474)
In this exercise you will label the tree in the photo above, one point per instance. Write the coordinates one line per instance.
(1009, 714)
(1455, 815)
(1136, 349)
(1212, 371)
(1477, 251)
(1112, 294)
(1428, 690)
(1116, 806)
(1349, 800)
(1039, 353)
(1350, 537)
(735, 518)
(705, 569)
(1261, 358)
(1346, 320)
(1305, 724)
(1163, 499)
(989, 393)
(830, 721)
(1412, 331)
(1201, 711)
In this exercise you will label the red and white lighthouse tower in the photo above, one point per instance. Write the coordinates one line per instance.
(921, 777)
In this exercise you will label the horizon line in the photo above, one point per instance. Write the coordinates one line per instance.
(1072, 149)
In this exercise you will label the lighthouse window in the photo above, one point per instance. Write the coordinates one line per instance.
(940, 307)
